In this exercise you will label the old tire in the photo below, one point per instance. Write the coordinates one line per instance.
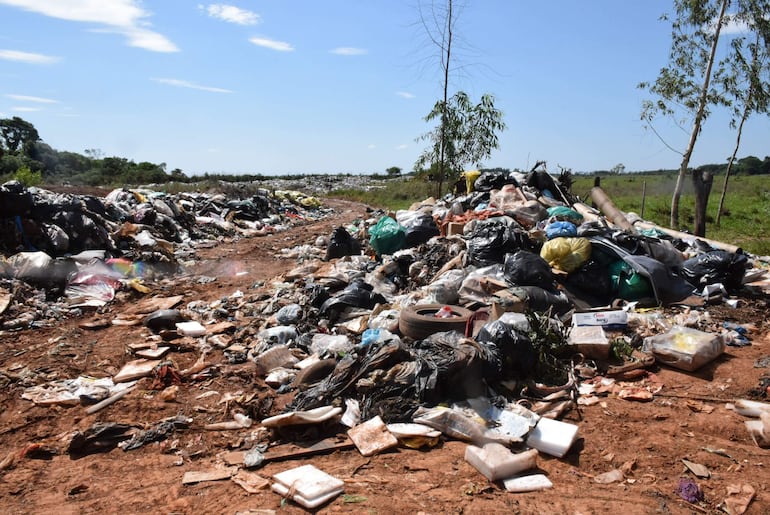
(418, 321)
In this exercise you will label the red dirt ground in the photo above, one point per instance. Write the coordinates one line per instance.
(650, 438)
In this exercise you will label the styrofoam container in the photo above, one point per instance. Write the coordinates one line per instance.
(495, 461)
(553, 437)
(191, 328)
(308, 485)
(531, 483)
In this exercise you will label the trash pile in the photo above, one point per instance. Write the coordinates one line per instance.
(483, 317)
(86, 247)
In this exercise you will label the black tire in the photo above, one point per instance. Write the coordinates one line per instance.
(418, 321)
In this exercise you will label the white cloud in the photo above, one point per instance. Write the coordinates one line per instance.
(124, 17)
(346, 50)
(39, 100)
(404, 94)
(371, 146)
(272, 44)
(27, 57)
(190, 85)
(734, 27)
(231, 14)
(402, 147)
(26, 109)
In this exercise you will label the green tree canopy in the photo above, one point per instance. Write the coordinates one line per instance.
(467, 133)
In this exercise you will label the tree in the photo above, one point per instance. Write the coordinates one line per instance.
(440, 30)
(18, 137)
(466, 133)
(686, 80)
(618, 169)
(393, 171)
(747, 81)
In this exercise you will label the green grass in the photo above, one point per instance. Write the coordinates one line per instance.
(745, 220)
(393, 195)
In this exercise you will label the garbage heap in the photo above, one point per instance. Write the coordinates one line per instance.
(86, 247)
(483, 317)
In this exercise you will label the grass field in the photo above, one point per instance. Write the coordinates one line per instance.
(745, 221)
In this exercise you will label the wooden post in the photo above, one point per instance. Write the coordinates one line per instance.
(644, 197)
(702, 181)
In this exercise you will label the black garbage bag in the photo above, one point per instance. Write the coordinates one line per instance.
(15, 199)
(454, 367)
(491, 239)
(717, 266)
(341, 243)
(350, 370)
(317, 295)
(420, 230)
(100, 437)
(517, 356)
(357, 294)
(524, 268)
(544, 183)
(541, 300)
(494, 180)
(591, 281)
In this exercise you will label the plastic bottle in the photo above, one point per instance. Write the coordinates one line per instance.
(444, 312)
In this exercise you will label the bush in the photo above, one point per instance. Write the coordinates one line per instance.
(27, 177)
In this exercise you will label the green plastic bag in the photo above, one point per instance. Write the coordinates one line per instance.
(629, 284)
(387, 236)
(565, 213)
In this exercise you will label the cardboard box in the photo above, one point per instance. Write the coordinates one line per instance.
(617, 319)
(454, 229)
(590, 341)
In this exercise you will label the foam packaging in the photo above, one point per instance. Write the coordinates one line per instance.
(553, 437)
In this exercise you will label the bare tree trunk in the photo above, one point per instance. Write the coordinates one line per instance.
(445, 56)
(674, 221)
(746, 112)
(702, 182)
(730, 168)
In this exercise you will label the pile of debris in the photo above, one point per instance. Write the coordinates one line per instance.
(85, 248)
(483, 317)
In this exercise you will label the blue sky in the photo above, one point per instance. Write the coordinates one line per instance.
(341, 86)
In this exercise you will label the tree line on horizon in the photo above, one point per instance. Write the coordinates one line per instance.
(25, 156)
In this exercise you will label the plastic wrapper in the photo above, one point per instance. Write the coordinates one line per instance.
(685, 348)
(445, 289)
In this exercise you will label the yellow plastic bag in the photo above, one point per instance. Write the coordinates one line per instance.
(566, 254)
